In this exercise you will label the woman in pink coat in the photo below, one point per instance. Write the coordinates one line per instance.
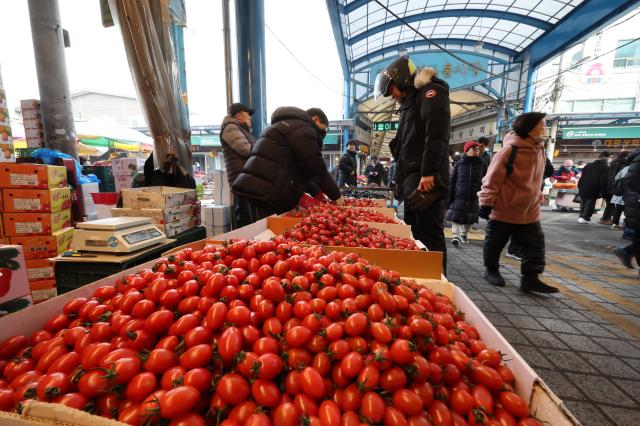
(510, 199)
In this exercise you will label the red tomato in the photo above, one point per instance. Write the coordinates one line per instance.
(74, 400)
(230, 343)
(233, 389)
(356, 324)
(298, 336)
(373, 407)
(394, 417)
(141, 386)
(440, 414)
(462, 402)
(483, 398)
(488, 377)
(514, 404)
(197, 356)
(160, 360)
(94, 383)
(407, 401)
(329, 414)
(159, 321)
(178, 401)
(311, 382)
(285, 415)
(265, 393)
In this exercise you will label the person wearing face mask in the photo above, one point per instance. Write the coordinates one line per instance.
(347, 166)
(421, 145)
(374, 172)
(285, 162)
(510, 200)
(236, 140)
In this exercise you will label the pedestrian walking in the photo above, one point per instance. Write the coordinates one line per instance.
(593, 184)
(510, 199)
(617, 198)
(466, 181)
(347, 166)
(485, 156)
(631, 196)
(616, 165)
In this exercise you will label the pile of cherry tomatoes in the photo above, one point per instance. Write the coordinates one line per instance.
(333, 210)
(360, 202)
(259, 334)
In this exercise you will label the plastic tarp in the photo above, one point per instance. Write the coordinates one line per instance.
(146, 31)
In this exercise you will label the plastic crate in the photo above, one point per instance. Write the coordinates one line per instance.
(105, 174)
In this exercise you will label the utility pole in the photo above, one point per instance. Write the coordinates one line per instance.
(48, 49)
(226, 33)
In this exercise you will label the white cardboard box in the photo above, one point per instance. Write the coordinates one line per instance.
(217, 230)
(216, 215)
(221, 189)
(126, 166)
(157, 197)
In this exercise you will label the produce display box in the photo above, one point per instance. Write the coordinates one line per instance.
(160, 216)
(32, 176)
(42, 290)
(13, 273)
(157, 197)
(384, 210)
(395, 229)
(45, 246)
(547, 407)
(40, 269)
(25, 224)
(36, 200)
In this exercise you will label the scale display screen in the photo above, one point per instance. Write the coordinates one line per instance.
(138, 236)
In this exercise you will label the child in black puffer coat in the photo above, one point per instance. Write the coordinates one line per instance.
(466, 181)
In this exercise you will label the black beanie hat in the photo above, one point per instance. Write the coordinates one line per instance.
(524, 124)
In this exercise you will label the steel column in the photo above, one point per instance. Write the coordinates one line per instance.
(529, 97)
(251, 59)
(51, 68)
(226, 32)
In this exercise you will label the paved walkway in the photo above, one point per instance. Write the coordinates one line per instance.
(584, 341)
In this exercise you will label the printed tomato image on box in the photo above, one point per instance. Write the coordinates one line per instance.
(40, 269)
(36, 200)
(13, 273)
(30, 176)
(24, 224)
(44, 246)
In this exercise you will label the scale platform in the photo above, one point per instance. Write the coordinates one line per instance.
(116, 235)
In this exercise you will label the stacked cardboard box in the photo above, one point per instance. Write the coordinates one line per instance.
(14, 287)
(216, 218)
(36, 216)
(124, 169)
(174, 210)
(6, 141)
(32, 122)
(221, 188)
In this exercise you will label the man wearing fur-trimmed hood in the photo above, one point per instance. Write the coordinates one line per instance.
(421, 145)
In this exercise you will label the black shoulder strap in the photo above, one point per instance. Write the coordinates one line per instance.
(512, 157)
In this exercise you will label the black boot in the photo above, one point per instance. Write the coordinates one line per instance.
(494, 277)
(531, 283)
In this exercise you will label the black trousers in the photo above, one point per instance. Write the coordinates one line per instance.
(259, 210)
(617, 212)
(608, 210)
(634, 248)
(243, 211)
(587, 207)
(529, 238)
(428, 227)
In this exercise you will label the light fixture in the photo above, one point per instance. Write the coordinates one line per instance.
(478, 46)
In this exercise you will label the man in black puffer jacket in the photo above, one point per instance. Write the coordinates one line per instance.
(347, 166)
(593, 184)
(285, 161)
(421, 145)
(631, 197)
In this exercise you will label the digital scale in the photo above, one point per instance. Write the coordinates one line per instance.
(116, 235)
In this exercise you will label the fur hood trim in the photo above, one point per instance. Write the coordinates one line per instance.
(424, 76)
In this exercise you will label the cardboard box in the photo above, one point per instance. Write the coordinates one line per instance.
(29, 104)
(221, 188)
(32, 176)
(395, 229)
(157, 197)
(15, 305)
(217, 230)
(173, 228)
(123, 182)
(45, 246)
(36, 200)
(7, 153)
(217, 215)
(40, 269)
(32, 123)
(160, 216)
(13, 273)
(42, 290)
(25, 224)
(35, 143)
(33, 133)
(126, 166)
(31, 114)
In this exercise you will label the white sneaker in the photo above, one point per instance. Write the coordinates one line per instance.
(455, 241)
(581, 220)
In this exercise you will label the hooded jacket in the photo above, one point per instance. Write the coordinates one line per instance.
(236, 140)
(423, 134)
(466, 180)
(346, 169)
(631, 195)
(515, 198)
(283, 162)
(594, 182)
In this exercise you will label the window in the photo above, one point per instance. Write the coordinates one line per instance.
(598, 105)
(565, 106)
(591, 105)
(627, 55)
(619, 105)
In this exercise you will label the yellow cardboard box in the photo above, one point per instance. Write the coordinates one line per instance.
(24, 224)
(45, 246)
(36, 200)
(31, 176)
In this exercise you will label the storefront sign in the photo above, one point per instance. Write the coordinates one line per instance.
(628, 132)
(382, 126)
(467, 132)
(362, 135)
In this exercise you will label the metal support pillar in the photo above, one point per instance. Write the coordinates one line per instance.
(226, 33)
(347, 111)
(51, 68)
(251, 59)
(177, 31)
(529, 97)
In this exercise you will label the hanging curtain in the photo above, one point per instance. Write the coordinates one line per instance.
(146, 31)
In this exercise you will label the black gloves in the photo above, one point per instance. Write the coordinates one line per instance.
(485, 211)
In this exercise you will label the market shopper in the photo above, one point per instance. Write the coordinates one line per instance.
(566, 173)
(510, 199)
(374, 172)
(617, 198)
(347, 166)
(593, 184)
(421, 146)
(615, 166)
(485, 156)
(466, 181)
(631, 197)
(236, 140)
(286, 160)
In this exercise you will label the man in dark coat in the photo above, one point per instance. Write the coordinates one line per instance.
(631, 197)
(374, 172)
(236, 140)
(347, 166)
(617, 164)
(421, 146)
(285, 161)
(466, 181)
(485, 156)
(592, 185)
